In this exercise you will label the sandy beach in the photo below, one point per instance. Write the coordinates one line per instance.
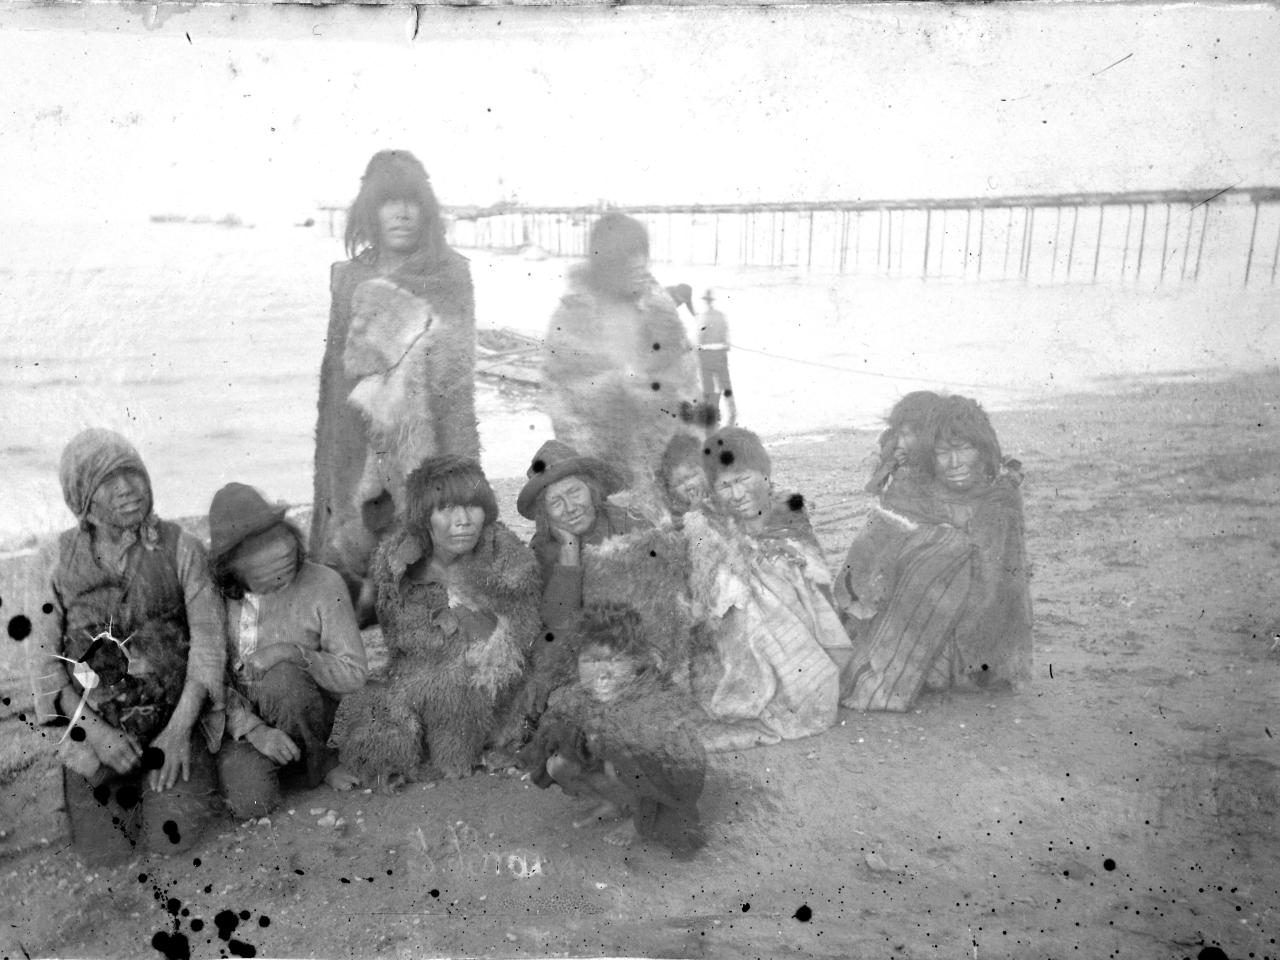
(1123, 805)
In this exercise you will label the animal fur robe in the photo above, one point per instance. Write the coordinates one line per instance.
(644, 568)
(620, 379)
(397, 384)
(448, 686)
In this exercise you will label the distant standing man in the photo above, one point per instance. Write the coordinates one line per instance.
(713, 357)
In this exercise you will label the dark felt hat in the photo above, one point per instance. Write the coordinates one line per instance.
(556, 460)
(238, 512)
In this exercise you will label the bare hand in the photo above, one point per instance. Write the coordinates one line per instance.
(275, 745)
(176, 747)
(115, 748)
(570, 545)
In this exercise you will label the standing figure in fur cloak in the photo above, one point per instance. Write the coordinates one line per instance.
(762, 588)
(625, 738)
(955, 607)
(130, 650)
(593, 551)
(621, 375)
(397, 383)
(457, 596)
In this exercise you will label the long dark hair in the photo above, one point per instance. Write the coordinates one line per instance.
(225, 580)
(960, 420)
(445, 481)
(393, 175)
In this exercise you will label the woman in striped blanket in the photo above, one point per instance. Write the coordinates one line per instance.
(942, 602)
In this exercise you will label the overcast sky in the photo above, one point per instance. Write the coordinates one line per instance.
(272, 113)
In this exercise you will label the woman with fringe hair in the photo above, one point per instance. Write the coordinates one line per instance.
(397, 383)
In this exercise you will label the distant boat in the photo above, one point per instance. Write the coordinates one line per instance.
(509, 358)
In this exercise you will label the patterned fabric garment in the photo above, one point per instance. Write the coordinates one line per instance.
(775, 630)
(952, 602)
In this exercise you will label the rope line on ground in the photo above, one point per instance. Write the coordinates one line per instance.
(885, 376)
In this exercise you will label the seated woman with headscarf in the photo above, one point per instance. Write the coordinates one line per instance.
(457, 598)
(593, 551)
(681, 478)
(953, 607)
(127, 658)
(293, 648)
(762, 588)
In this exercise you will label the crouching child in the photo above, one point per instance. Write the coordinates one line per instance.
(624, 738)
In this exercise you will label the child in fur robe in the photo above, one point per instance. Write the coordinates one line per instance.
(457, 597)
(624, 738)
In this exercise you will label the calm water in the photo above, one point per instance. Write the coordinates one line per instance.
(203, 344)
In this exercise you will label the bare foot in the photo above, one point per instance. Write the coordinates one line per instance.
(623, 836)
(602, 813)
(341, 779)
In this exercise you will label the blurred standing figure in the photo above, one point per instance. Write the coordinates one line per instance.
(619, 369)
(713, 357)
(397, 383)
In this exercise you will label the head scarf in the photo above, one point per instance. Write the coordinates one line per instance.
(87, 460)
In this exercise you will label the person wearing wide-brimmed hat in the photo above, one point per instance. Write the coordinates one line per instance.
(293, 648)
(619, 372)
(129, 648)
(457, 596)
(594, 551)
(397, 383)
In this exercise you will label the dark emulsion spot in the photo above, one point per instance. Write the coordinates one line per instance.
(46, 608)
(226, 922)
(128, 796)
(539, 466)
(173, 945)
(102, 793)
(985, 667)
(728, 392)
(77, 734)
(746, 907)
(170, 828)
(244, 914)
(239, 948)
(152, 758)
(435, 893)
(655, 386)
(197, 925)
(549, 637)
(726, 457)
(1108, 864)
(1212, 953)
(804, 914)
(19, 628)
(264, 921)
(795, 502)
(173, 905)
(657, 346)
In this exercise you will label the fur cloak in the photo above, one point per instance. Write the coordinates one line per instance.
(645, 569)
(615, 393)
(410, 403)
(650, 737)
(447, 688)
